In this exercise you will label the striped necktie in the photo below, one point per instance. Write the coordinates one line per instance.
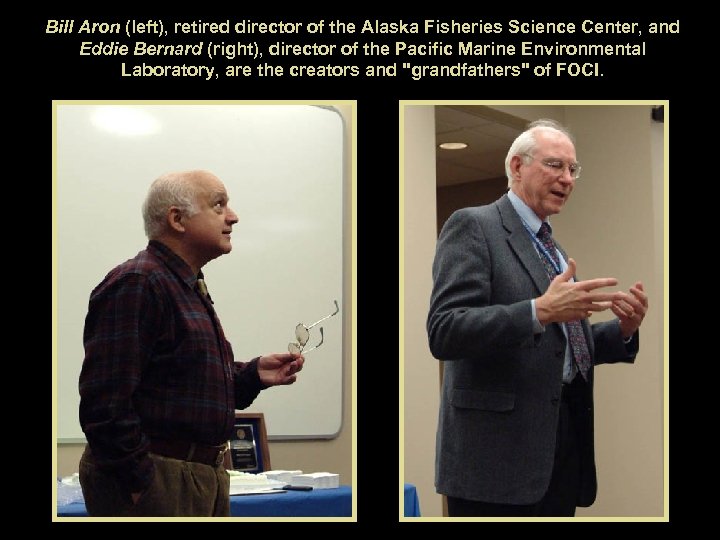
(202, 287)
(578, 343)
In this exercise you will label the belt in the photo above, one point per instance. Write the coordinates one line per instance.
(187, 451)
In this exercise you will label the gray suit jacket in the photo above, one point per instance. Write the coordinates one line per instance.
(501, 384)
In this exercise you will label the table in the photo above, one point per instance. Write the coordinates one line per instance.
(315, 503)
(412, 503)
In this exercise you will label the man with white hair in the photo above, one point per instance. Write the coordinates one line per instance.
(159, 385)
(509, 322)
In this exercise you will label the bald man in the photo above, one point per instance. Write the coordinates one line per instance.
(159, 385)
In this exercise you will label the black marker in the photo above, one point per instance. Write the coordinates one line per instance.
(296, 488)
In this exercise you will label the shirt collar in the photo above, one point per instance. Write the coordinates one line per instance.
(174, 262)
(525, 212)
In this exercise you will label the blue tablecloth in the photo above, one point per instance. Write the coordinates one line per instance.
(315, 503)
(412, 503)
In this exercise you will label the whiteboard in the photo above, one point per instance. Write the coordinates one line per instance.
(282, 166)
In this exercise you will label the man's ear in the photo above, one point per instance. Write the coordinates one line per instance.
(515, 163)
(174, 219)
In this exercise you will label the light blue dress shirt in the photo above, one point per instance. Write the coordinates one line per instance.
(533, 222)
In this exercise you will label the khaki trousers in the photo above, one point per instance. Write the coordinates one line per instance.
(179, 488)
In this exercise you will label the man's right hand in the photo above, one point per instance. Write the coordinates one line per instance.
(570, 301)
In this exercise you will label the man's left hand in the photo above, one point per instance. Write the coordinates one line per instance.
(281, 368)
(631, 309)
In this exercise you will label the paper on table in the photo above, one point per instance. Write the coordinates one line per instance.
(318, 480)
(241, 483)
(263, 491)
(281, 475)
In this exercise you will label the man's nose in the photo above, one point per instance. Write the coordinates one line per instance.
(567, 176)
(231, 216)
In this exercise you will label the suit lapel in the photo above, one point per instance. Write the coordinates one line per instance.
(521, 244)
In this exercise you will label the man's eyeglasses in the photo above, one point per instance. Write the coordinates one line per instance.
(302, 334)
(559, 166)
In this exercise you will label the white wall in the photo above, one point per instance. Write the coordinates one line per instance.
(610, 226)
(420, 377)
(282, 167)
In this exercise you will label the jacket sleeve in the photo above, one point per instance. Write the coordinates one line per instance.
(462, 321)
(610, 347)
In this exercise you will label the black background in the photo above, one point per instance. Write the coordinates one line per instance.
(677, 68)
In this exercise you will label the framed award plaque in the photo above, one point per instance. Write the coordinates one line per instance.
(248, 444)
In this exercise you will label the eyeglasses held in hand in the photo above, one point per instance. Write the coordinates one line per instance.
(302, 334)
(558, 166)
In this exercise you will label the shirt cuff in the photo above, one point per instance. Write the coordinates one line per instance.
(247, 383)
(537, 327)
(252, 376)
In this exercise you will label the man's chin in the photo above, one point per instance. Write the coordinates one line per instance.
(555, 208)
(222, 250)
